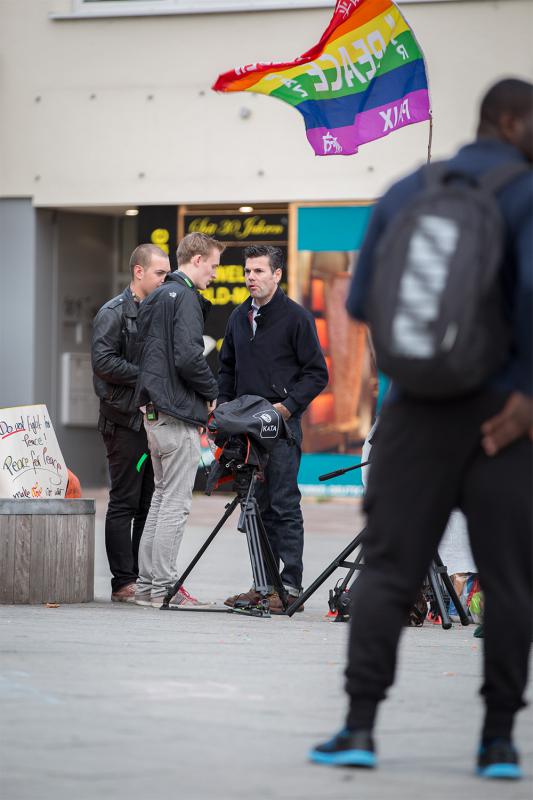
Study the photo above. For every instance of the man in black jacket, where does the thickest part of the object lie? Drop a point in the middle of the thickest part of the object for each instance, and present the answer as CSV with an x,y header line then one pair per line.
x,y
120,422
176,389
271,349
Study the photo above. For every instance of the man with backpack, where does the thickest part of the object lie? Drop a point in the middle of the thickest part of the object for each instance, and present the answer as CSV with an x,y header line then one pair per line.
x,y
447,437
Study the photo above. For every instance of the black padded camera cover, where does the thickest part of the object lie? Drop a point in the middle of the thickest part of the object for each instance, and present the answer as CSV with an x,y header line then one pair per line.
x,y
245,430
249,415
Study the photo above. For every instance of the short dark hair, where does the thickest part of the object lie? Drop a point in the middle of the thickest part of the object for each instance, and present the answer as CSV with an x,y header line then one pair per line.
x,y
510,96
143,254
274,254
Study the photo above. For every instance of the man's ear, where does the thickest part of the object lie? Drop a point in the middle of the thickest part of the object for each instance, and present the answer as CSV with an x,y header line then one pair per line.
x,y
138,272
510,127
277,275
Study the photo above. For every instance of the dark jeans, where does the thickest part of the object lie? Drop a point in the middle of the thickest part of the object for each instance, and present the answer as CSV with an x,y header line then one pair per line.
x,y
279,502
427,460
129,501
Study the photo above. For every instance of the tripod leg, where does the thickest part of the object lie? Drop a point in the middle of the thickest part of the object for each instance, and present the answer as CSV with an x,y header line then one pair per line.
x,y
256,557
454,597
268,557
437,593
181,580
337,562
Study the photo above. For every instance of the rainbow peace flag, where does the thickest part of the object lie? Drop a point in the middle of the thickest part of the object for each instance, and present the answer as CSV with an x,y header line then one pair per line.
x,y
364,79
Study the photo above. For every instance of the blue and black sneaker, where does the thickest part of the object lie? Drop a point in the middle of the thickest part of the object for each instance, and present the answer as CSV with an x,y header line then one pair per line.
x,y
346,749
498,759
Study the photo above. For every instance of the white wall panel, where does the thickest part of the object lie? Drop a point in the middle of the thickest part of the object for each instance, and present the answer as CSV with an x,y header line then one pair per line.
x,y
95,137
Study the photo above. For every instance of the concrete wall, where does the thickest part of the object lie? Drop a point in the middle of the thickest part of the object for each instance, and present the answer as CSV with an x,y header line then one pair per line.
x,y
120,111
18,322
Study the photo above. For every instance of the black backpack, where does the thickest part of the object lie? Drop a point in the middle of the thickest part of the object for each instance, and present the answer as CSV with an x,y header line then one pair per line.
x,y
435,305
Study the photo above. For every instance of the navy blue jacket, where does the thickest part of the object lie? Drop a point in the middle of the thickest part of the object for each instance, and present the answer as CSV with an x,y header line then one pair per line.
x,y
283,362
516,203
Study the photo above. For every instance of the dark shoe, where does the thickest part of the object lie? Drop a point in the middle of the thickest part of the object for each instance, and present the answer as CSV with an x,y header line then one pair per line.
x,y
126,594
276,606
251,597
346,749
499,759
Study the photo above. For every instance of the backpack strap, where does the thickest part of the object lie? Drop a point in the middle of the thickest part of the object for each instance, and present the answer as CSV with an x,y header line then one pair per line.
x,y
440,173
495,179
433,173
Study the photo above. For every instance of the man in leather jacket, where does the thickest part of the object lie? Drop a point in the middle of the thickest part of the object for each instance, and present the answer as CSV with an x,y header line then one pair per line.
x,y
176,390
120,422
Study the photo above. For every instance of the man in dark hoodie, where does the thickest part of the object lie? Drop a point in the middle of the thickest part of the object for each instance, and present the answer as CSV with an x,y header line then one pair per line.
x,y
474,452
271,349
176,391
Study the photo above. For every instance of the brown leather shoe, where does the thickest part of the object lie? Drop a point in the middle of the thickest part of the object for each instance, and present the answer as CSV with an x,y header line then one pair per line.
x,y
126,594
251,596
275,604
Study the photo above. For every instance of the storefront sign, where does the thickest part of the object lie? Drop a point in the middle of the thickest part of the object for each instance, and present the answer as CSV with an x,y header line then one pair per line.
x,y
239,227
228,290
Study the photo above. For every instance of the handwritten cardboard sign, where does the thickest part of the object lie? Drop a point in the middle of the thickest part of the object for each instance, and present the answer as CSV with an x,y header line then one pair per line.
x,y
31,464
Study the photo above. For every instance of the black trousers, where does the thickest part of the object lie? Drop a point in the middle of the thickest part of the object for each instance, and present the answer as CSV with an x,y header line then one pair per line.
x,y
428,460
279,502
129,501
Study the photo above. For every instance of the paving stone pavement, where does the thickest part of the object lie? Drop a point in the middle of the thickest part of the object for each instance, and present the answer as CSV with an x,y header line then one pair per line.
x,y
103,701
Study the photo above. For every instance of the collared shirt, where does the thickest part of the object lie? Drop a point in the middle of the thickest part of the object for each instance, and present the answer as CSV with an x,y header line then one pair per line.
x,y
252,314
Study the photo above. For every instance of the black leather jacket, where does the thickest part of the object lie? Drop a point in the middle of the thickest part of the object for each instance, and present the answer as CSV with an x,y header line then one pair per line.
x,y
173,372
114,357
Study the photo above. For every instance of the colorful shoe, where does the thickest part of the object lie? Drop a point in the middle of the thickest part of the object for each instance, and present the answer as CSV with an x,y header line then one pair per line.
x,y
126,594
183,598
346,749
498,759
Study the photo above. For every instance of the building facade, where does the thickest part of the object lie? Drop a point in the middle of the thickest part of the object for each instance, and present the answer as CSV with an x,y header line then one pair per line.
x,y
106,108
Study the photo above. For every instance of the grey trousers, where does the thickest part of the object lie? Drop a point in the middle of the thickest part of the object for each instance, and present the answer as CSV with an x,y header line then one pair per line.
x,y
175,451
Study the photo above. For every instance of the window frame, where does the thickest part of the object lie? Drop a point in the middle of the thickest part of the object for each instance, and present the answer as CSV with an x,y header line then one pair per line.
x,y
91,9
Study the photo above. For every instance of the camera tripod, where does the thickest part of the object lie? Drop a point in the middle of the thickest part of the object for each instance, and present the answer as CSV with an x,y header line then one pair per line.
x,y
438,581
265,570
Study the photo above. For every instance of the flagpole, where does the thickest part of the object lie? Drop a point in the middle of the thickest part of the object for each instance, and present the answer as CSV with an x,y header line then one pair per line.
x,y
430,138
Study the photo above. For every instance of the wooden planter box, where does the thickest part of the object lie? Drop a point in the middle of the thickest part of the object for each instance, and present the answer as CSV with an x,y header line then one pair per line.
x,y
46,551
